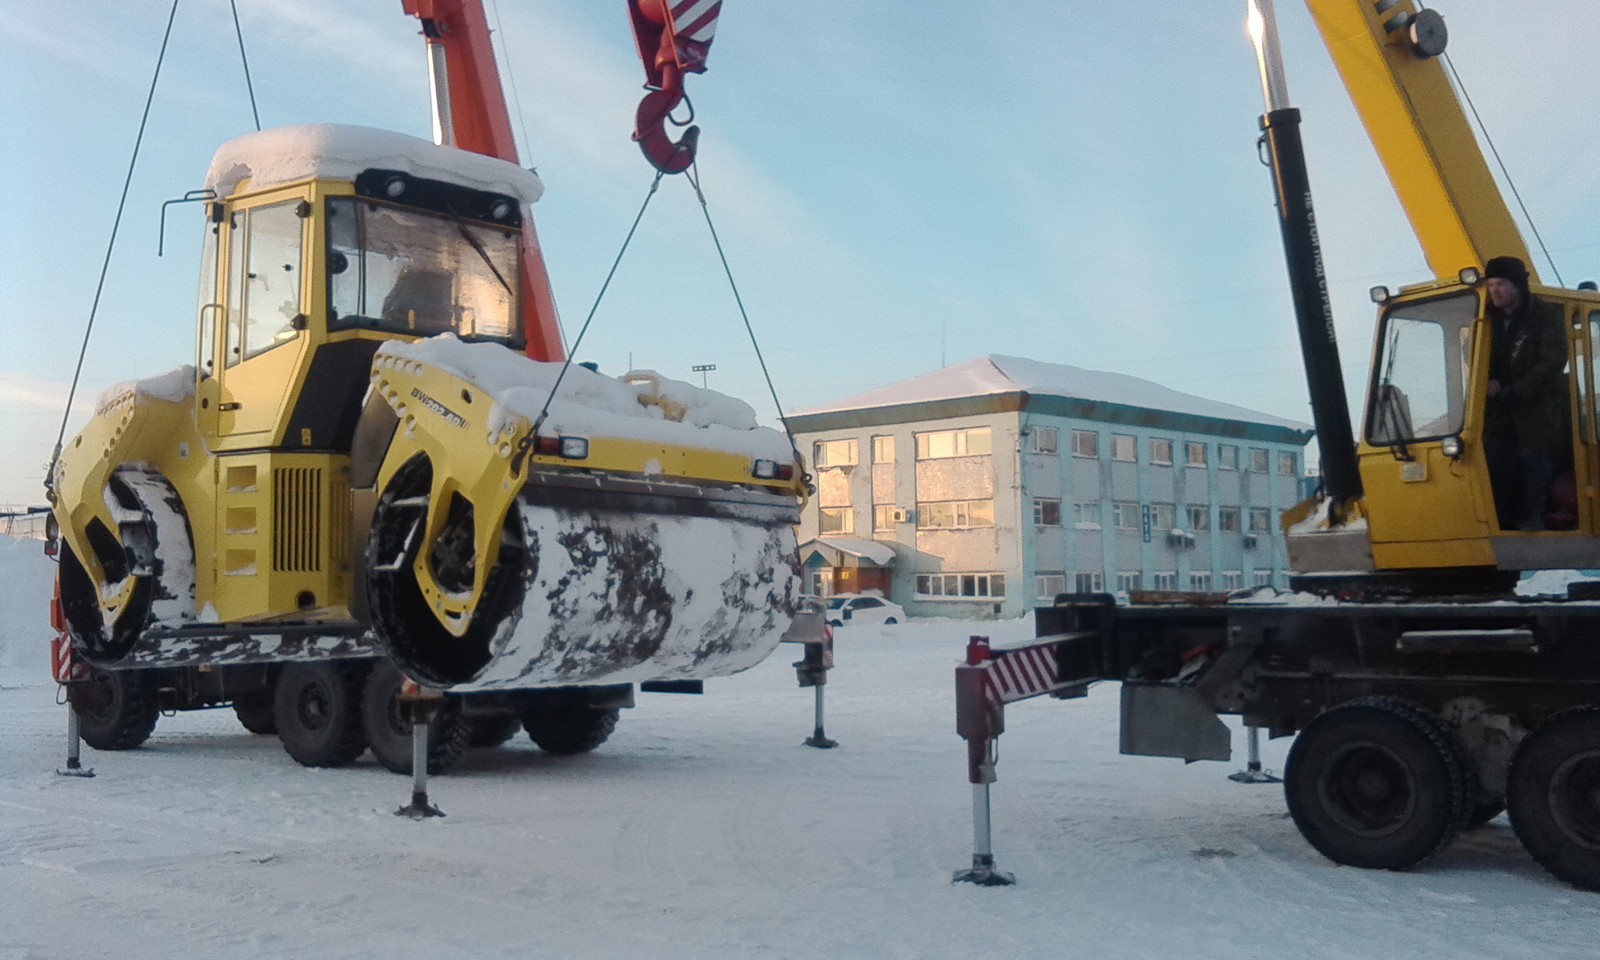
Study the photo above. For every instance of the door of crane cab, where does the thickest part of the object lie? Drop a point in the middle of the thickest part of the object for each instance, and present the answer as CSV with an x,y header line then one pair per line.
x,y
253,318
1445,467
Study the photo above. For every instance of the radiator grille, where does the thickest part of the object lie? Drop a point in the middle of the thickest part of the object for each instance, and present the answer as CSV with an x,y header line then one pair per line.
x,y
297,519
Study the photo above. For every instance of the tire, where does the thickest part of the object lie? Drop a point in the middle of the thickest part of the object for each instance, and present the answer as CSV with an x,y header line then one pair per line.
x,y
116,709
317,710
566,724
890,621
1554,796
387,725
493,731
256,714
1376,783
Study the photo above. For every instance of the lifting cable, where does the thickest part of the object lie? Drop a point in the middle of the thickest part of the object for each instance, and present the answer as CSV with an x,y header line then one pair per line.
x,y
1489,140
567,363
249,87
693,174
105,265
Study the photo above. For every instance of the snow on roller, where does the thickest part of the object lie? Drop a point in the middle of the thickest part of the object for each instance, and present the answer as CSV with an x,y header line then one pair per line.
x,y
642,531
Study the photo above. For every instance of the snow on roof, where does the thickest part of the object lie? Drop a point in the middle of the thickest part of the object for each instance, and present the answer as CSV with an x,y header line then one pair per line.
x,y
879,553
286,154
993,374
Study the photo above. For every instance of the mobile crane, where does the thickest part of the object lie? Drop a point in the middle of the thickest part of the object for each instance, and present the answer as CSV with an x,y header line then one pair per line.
x,y
1426,695
379,463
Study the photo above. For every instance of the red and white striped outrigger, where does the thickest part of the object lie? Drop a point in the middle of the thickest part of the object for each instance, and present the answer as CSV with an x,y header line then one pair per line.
x,y
988,680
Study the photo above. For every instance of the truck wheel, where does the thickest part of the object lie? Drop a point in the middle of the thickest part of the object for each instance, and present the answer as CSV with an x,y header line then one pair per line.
x,y
1554,796
1376,783
568,725
388,728
116,709
255,713
493,731
317,709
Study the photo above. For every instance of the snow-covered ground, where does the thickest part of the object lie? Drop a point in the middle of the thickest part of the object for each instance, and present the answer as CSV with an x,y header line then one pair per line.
x,y
703,829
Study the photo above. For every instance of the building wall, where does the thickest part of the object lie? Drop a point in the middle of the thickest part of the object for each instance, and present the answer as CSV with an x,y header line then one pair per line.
x,y
1033,551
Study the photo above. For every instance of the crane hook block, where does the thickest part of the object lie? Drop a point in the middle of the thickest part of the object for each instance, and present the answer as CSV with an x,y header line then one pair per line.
x,y
674,37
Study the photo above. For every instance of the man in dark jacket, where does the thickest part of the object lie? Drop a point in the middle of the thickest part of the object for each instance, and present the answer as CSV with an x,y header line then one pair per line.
x,y
1527,432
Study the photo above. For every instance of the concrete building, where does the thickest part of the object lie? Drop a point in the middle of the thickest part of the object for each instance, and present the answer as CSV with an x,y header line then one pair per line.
x,y
983,488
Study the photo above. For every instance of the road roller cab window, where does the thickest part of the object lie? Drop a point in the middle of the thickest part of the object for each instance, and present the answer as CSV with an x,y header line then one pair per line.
x,y
409,271
264,309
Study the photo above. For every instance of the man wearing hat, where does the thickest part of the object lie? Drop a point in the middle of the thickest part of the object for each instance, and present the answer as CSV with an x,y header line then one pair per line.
x,y
1527,432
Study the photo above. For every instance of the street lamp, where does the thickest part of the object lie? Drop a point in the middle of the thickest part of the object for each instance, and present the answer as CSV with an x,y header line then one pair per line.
x,y
703,369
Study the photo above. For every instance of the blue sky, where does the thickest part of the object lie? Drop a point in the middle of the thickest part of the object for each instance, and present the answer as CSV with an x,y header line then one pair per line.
x,y
898,185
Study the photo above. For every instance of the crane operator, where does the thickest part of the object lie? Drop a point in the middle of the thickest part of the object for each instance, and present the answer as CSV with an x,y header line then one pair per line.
x,y
1527,436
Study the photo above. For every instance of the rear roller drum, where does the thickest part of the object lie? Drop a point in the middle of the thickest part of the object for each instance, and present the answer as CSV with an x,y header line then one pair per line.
x,y
1553,796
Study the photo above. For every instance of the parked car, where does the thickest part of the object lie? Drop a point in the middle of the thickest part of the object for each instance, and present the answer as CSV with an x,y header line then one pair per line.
x,y
846,608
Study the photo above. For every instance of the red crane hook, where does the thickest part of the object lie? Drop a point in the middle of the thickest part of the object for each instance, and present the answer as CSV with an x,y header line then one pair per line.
x,y
674,37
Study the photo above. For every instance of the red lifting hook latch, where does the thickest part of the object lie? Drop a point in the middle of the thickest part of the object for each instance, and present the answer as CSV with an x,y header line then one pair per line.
x,y
674,37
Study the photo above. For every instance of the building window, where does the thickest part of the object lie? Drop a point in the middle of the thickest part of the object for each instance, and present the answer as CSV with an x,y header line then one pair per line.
x,y
1228,519
883,449
883,517
1227,456
821,581
1088,583
1199,581
1047,513
838,520
1198,516
1128,582
1125,515
1263,578
1086,514
834,453
1194,454
1085,443
1258,460
1160,451
1260,520
1043,440
1124,447
1167,581
1047,585
1233,580
954,514
971,442
1287,463
1163,516
961,585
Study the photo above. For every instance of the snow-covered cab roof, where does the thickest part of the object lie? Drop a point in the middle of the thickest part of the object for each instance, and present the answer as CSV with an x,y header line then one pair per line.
x,y
341,151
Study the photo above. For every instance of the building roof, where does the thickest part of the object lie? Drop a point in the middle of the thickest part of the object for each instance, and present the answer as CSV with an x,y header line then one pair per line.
x,y
879,554
1016,383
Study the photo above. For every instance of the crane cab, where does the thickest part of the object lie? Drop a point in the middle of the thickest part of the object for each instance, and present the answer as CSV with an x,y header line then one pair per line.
x,y
1428,447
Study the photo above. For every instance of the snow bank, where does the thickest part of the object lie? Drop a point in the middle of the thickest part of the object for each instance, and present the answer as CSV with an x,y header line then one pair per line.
x,y
29,581
591,404
285,154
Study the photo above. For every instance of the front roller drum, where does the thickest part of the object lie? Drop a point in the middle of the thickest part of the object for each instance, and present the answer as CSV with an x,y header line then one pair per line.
x,y
586,590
